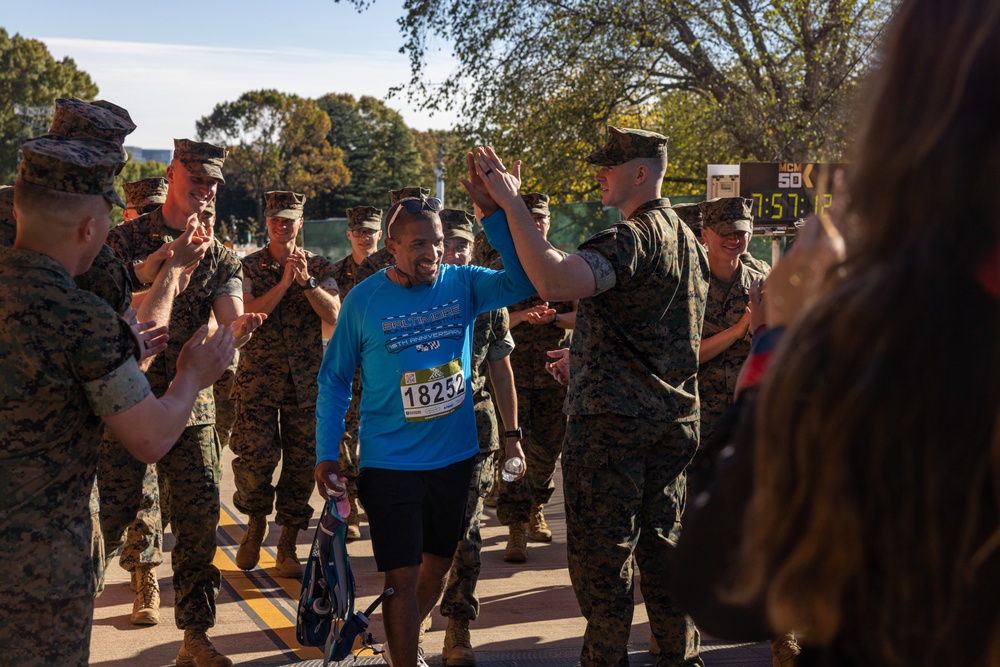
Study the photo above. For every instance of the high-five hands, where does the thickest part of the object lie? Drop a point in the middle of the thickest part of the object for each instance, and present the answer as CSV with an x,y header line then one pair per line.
x,y
490,184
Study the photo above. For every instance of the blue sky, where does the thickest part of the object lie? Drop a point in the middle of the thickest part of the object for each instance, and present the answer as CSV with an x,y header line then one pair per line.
x,y
171,63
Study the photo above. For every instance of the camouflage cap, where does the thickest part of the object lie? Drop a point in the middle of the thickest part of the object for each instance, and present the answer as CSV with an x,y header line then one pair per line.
x,y
76,118
626,144
727,215
690,215
457,224
147,192
537,202
200,157
364,217
121,112
407,193
78,165
283,204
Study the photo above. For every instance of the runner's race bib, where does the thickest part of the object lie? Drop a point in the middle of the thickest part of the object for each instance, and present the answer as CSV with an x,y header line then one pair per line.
x,y
433,392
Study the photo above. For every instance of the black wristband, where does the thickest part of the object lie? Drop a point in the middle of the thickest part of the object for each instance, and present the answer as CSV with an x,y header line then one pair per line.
x,y
516,433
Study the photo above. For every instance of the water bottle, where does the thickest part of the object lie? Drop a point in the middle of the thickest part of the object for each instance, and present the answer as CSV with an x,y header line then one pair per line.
x,y
340,498
512,468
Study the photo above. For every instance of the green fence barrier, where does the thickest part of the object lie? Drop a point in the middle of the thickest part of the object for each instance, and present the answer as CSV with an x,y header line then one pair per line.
x,y
572,224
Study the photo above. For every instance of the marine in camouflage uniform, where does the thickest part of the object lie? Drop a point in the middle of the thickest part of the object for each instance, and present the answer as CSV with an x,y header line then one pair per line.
x,y
69,359
276,384
632,403
107,277
726,307
539,414
142,551
192,470
632,396
363,220
491,342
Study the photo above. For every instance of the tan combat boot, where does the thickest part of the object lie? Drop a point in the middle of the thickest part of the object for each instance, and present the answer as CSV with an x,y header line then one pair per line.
x,y
538,530
287,562
248,554
425,625
146,608
353,519
783,651
197,651
457,651
516,550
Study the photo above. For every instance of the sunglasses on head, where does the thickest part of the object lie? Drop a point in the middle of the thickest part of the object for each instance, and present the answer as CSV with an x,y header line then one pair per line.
x,y
414,205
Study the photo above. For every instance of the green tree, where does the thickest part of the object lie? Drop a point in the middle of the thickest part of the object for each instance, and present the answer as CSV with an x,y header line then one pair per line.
x,y
30,76
539,79
378,149
135,171
276,142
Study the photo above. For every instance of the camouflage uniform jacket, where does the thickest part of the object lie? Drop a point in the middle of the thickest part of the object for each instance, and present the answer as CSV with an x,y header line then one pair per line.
x,y
483,254
757,265
219,274
491,341
717,376
68,360
279,364
345,272
107,277
8,226
635,347
373,263
533,341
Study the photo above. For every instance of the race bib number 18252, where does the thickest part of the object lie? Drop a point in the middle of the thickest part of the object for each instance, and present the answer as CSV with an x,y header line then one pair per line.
x,y
433,392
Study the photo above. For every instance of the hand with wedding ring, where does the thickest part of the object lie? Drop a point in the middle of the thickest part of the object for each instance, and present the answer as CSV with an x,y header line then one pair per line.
x,y
491,192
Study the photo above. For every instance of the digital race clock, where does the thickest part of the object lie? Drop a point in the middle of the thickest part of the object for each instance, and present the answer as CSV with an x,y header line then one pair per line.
x,y
783,192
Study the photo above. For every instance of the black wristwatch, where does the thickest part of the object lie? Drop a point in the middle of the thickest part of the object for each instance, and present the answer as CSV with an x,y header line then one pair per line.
x,y
311,283
516,433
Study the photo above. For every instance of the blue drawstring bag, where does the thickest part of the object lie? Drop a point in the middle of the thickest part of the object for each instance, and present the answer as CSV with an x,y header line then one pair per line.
x,y
326,614
327,598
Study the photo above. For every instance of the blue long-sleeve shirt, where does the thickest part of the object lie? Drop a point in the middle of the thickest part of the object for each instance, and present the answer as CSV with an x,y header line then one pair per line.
x,y
413,345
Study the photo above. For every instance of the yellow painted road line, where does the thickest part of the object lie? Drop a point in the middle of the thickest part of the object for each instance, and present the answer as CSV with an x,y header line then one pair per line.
x,y
272,611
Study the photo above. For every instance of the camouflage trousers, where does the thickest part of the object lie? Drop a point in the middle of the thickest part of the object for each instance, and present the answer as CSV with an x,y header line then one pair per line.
x,y
624,483
142,544
225,406
349,440
45,632
540,416
192,470
459,600
262,436
97,540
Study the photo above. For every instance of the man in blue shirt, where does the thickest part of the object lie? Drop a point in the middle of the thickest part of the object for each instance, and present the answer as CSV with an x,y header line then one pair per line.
x,y
410,327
